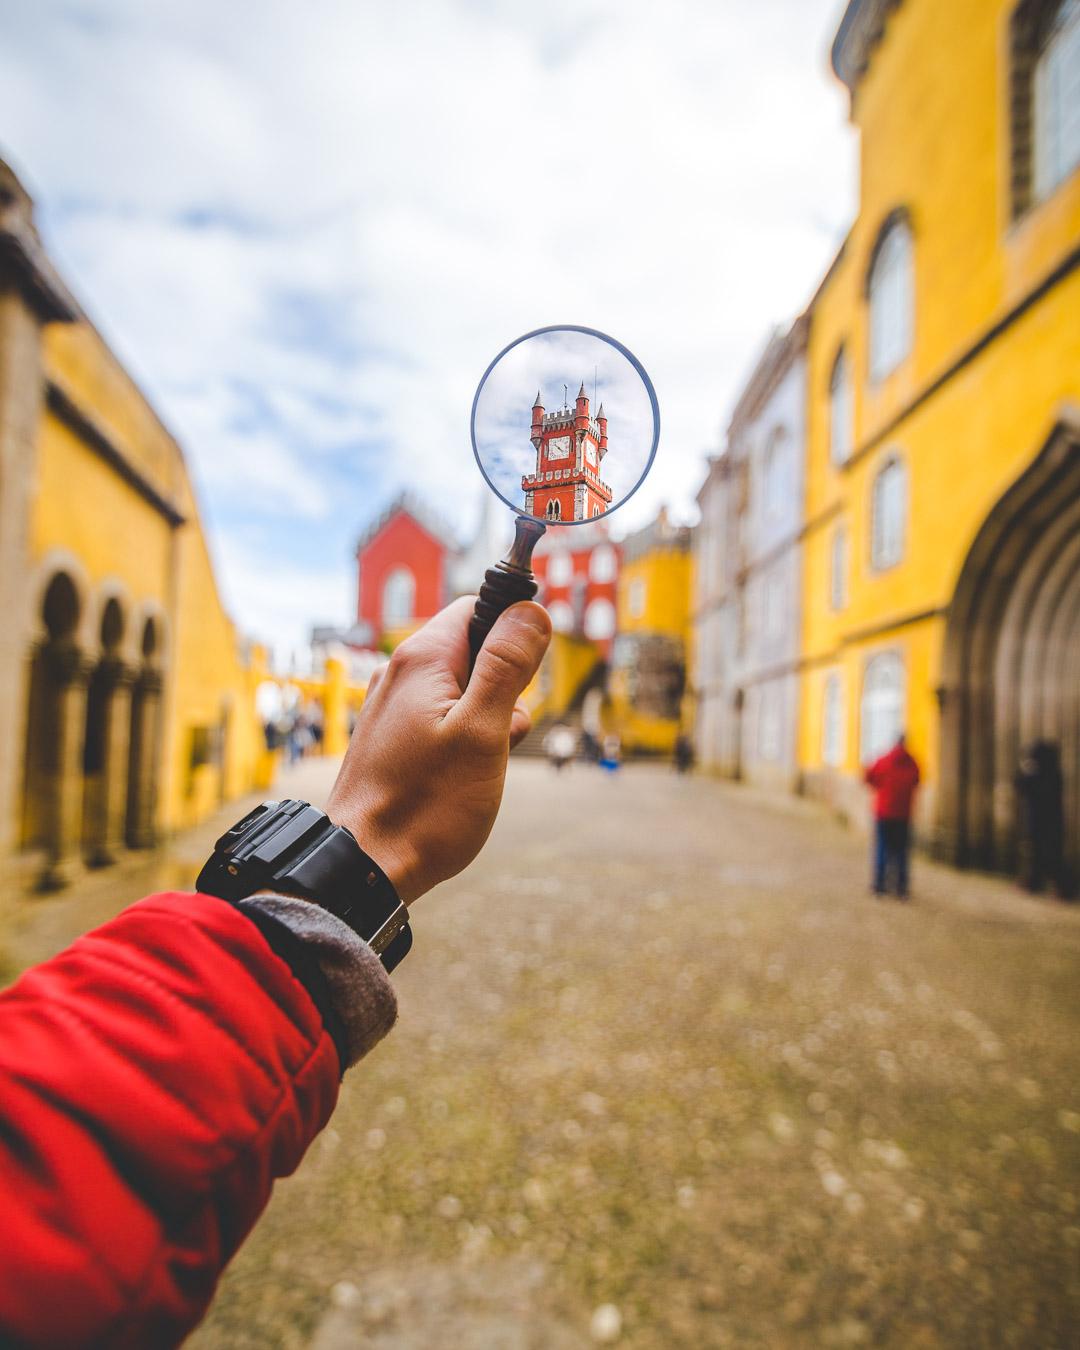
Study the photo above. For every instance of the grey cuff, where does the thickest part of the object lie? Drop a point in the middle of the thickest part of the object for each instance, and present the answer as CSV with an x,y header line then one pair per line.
x,y
356,979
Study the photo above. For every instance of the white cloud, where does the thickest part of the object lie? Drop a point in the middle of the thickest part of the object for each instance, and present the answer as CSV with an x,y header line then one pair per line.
x,y
340,212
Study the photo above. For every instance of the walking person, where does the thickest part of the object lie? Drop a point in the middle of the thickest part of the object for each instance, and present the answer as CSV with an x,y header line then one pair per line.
x,y
561,746
894,778
1040,792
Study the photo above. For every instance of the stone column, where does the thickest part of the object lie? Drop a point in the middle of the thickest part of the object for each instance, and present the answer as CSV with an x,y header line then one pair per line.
x,y
62,788
142,759
106,805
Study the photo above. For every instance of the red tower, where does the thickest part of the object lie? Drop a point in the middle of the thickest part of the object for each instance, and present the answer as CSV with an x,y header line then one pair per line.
x,y
569,445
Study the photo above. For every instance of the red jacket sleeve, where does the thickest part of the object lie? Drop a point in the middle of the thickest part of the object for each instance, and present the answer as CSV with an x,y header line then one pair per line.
x,y
155,1079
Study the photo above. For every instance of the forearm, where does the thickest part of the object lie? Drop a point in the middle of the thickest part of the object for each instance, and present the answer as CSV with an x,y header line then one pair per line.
x,y
157,1077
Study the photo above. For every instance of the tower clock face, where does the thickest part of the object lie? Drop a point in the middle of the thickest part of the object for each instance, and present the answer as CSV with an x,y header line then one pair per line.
x,y
558,447
590,451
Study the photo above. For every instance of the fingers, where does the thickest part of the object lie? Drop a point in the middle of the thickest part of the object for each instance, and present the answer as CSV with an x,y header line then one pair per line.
x,y
520,724
507,661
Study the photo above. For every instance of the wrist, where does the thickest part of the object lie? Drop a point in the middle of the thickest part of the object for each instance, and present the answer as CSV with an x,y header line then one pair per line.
x,y
398,861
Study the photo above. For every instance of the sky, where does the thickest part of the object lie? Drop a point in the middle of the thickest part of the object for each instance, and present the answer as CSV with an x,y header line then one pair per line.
x,y
307,229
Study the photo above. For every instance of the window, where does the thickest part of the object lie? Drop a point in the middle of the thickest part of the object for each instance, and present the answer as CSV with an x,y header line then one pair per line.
x,y
562,616
774,606
769,723
600,620
832,723
773,472
560,569
838,563
888,515
841,410
554,509
635,598
882,714
596,508
398,598
602,563
1057,98
891,296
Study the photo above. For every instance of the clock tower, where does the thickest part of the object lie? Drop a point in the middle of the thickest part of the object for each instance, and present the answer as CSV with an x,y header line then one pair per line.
x,y
570,445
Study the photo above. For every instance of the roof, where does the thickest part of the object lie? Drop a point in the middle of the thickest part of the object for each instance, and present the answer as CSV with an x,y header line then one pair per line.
x,y
780,352
22,251
860,31
405,503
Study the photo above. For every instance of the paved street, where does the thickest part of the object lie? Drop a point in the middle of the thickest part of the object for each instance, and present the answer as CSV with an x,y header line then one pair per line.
x,y
665,1075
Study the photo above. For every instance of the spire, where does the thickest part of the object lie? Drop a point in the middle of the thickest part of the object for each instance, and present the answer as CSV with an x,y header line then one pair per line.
x,y
537,401
581,391
600,412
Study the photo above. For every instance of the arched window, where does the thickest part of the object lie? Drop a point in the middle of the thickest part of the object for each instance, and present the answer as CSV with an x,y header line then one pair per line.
x,y
562,616
832,722
554,509
600,620
774,471
882,712
841,410
560,568
888,508
1057,98
891,293
602,563
596,508
838,565
399,598
768,722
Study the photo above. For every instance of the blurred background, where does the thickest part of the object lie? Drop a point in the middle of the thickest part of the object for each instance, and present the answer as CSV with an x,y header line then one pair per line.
x,y
665,1074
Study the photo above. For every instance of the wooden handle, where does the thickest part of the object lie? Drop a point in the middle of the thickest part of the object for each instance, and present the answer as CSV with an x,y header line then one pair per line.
x,y
506,583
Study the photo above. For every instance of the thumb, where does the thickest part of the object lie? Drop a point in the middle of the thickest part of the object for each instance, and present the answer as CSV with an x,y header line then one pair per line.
x,y
507,661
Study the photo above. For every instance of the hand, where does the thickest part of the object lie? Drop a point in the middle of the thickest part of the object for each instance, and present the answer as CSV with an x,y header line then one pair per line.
x,y
423,776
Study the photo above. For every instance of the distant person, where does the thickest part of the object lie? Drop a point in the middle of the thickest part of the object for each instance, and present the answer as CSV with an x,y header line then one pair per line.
x,y
590,747
560,744
611,753
894,778
1040,801
683,755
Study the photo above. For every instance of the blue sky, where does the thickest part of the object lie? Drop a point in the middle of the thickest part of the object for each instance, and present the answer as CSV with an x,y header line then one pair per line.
x,y
308,228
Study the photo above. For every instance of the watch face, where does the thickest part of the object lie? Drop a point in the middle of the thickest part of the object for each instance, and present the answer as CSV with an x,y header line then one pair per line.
x,y
590,451
558,447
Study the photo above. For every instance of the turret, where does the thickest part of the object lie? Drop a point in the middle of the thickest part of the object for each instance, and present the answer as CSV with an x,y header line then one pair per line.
x,y
581,409
601,422
537,420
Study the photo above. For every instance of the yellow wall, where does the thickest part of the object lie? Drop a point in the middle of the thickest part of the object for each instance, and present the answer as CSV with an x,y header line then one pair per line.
x,y
119,543
568,663
932,111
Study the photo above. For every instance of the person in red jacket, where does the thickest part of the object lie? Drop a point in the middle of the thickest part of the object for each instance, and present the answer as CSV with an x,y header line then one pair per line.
x,y
894,778
158,1075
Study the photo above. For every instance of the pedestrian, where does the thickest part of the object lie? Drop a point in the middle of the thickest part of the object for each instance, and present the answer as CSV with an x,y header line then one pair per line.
x,y
684,754
560,745
611,753
159,1075
1041,834
894,778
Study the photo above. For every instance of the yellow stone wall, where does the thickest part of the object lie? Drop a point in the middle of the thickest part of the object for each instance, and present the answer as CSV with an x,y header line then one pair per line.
x,y
662,576
118,543
932,112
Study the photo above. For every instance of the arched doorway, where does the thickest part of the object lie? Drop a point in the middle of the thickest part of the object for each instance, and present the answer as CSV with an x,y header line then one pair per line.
x,y
143,740
1011,662
52,776
105,748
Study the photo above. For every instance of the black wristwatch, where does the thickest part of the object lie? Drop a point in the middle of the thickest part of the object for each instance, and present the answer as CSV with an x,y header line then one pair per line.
x,y
292,848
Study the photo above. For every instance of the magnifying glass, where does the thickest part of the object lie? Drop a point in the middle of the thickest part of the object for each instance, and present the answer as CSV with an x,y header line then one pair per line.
x,y
567,455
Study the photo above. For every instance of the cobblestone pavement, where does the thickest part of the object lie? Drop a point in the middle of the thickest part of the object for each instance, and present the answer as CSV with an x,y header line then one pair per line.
x,y
665,1075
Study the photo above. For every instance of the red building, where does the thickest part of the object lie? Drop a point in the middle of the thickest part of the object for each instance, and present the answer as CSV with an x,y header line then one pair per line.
x,y
578,573
569,445
402,562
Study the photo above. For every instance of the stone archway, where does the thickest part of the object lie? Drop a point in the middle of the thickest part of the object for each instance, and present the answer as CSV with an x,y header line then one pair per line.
x,y
144,738
1011,661
105,748
52,776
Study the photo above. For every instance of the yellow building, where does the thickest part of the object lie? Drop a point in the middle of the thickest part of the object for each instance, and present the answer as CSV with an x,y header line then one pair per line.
x,y
942,546
649,663
128,701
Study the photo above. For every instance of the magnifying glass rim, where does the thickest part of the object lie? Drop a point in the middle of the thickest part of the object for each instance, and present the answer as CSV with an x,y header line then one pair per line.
x,y
604,337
